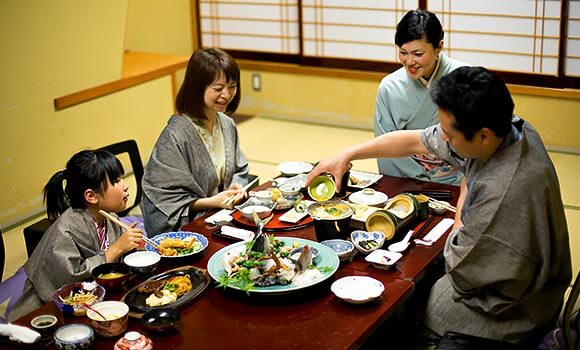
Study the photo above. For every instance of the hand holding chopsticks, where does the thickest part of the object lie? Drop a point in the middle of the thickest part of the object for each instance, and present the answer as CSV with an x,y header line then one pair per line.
x,y
127,227
231,199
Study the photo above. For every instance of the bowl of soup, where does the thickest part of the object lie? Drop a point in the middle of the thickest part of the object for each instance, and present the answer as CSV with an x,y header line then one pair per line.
x,y
116,318
331,219
112,276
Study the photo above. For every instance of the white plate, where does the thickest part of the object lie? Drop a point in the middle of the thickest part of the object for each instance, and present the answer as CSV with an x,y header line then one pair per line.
x,y
365,179
292,216
368,196
294,168
383,259
357,289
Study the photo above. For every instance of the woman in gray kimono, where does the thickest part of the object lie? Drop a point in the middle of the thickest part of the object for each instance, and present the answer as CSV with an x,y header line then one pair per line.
x,y
403,101
79,238
196,163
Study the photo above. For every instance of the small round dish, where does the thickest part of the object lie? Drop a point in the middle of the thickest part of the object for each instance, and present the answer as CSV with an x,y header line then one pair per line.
x,y
357,289
436,208
343,248
368,196
200,242
43,323
74,336
142,262
263,210
294,168
289,190
161,320
366,242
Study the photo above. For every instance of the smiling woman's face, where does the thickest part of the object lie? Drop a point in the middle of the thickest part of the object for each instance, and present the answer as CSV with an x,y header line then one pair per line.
x,y
419,58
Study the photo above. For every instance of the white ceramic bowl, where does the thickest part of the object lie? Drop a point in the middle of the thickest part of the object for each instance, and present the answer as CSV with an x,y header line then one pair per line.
x,y
74,336
263,210
117,314
366,242
383,259
142,262
357,289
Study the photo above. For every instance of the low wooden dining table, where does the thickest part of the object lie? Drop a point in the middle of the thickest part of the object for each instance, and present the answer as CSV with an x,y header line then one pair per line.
x,y
312,317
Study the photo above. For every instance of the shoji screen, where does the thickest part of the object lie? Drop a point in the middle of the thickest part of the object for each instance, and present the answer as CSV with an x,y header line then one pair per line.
x,y
506,35
256,25
362,29
572,63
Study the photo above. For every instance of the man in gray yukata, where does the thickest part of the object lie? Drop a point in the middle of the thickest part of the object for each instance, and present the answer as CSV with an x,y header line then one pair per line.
x,y
508,256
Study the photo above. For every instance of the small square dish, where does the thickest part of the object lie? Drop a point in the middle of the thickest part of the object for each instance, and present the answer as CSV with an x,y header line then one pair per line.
x,y
366,242
357,289
292,216
362,179
383,259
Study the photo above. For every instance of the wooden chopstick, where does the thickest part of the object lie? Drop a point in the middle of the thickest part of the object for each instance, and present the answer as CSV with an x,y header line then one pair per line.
x,y
233,197
127,227
424,226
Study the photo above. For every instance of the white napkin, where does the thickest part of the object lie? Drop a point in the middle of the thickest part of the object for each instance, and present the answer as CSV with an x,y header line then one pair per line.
x,y
439,229
221,216
239,233
19,333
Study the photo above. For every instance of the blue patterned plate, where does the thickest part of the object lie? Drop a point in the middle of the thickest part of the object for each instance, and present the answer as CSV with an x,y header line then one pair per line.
x,y
178,235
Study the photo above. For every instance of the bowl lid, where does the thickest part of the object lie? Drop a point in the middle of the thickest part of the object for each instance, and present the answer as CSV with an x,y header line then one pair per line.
x,y
368,196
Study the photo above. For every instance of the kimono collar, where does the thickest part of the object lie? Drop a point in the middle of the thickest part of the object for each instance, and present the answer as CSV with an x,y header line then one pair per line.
x,y
512,137
427,83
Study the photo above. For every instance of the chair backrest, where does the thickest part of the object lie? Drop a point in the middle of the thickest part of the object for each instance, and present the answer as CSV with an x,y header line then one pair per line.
x,y
11,290
130,147
569,309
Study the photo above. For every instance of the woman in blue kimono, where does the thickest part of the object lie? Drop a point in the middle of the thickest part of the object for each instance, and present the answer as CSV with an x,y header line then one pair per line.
x,y
403,101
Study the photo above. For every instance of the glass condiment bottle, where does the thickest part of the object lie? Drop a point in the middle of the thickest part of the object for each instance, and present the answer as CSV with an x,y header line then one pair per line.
x,y
134,341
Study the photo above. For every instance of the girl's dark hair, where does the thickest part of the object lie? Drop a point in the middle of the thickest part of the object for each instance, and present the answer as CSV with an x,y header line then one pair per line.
x,y
85,170
203,68
417,24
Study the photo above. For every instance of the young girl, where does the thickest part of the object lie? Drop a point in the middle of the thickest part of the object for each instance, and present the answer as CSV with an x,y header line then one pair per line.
x,y
197,162
79,238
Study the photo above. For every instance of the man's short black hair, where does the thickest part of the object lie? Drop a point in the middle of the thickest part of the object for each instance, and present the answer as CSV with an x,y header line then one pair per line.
x,y
477,98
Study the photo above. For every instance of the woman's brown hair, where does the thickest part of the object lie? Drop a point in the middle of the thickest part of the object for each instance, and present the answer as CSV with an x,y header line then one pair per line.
x,y
203,68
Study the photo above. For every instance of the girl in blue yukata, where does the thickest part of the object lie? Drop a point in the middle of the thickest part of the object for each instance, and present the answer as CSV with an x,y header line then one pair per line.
x,y
79,238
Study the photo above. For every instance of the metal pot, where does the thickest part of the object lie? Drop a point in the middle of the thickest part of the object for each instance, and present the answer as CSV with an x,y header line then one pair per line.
x,y
331,219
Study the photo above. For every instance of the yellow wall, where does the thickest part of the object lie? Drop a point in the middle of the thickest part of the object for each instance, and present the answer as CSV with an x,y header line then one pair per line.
x,y
351,102
53,48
